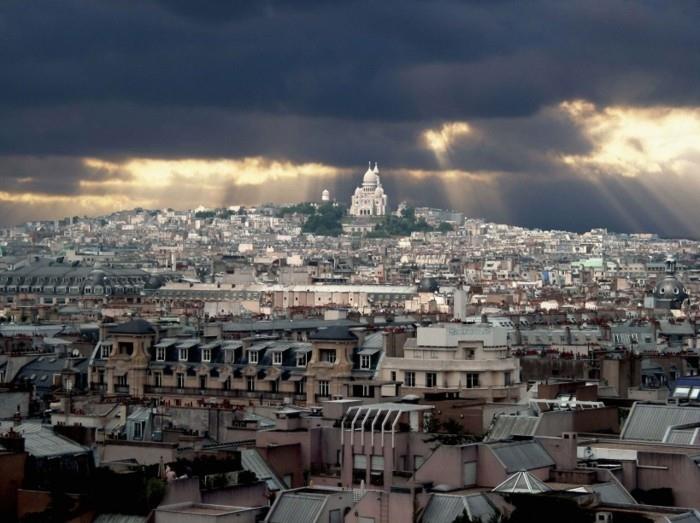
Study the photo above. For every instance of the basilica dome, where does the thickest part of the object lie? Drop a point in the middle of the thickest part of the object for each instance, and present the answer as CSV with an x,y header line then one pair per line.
x,y
370,177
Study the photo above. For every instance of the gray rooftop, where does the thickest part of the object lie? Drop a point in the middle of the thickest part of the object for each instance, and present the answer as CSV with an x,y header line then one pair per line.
x,y
613,492
253,461
505,426
297,507
42,442
521,455
649,421
445,507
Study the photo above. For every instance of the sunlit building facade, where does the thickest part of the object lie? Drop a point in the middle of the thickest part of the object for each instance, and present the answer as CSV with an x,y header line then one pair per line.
x,y
369,199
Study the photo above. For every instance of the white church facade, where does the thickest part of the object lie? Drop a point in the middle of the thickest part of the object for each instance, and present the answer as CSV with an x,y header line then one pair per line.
x,y
369,199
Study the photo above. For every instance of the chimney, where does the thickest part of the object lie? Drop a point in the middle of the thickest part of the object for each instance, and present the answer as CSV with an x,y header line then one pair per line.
x,y
12,441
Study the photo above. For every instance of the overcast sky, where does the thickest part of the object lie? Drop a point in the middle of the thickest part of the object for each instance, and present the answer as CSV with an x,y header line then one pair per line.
x,y
559,114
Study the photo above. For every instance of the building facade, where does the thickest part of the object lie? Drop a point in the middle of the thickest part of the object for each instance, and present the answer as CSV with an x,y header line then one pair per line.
x,y
470,361
369,199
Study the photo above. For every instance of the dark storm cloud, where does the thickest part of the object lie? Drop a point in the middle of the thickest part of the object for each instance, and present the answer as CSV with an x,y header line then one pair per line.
x,y
368,60
341,83
53,175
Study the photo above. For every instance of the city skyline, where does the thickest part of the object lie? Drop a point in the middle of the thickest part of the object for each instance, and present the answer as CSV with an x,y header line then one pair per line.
x,y
567,116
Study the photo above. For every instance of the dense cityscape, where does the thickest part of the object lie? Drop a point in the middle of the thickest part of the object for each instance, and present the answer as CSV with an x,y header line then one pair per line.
x,y
360,261
344,359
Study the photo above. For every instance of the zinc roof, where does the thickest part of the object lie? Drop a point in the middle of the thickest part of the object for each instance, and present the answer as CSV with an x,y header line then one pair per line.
x,y
297,507
649,421
505,426
521,455
42,442
445,507
613,492
253,461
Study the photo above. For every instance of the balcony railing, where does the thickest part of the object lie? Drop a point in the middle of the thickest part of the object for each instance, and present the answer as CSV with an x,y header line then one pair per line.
x,y
98,387
223,393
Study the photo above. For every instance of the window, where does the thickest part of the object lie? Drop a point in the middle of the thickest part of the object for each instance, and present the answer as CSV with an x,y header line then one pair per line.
x,y
138,429
227,383
202,381
206,355
250,383
160,353
277,358
472,380
417,461
182,354
301,360
430,379
158,379
126,348
365,361
393,375
252,356
328,356
366,391
681,392
105,350
180,380
300,387
324,388
409,379
122,380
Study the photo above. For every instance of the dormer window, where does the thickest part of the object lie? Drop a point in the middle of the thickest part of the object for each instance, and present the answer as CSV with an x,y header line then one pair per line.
x,y
104,351
206,355
277,358
365,361
160,353
252,356
182,354
301,360
328,356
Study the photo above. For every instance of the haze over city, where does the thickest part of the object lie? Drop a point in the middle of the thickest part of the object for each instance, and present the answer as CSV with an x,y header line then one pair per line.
x,y
363,261
566,115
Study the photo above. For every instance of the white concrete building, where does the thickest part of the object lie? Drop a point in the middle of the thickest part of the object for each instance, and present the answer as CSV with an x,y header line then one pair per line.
x,y
369,199
473,361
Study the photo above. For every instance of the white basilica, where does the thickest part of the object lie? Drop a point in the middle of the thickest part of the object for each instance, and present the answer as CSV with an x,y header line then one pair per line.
x,y
369,200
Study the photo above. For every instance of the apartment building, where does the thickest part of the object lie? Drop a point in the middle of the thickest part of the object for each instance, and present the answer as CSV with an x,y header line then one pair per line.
x,y
470,361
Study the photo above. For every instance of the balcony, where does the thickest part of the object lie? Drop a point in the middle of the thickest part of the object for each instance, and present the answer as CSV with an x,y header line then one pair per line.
x,y
223,393
98,387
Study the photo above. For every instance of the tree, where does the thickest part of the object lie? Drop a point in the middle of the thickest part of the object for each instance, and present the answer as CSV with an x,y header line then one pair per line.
x,y
450,432
402,225
306,208
445,227
326,220
247,477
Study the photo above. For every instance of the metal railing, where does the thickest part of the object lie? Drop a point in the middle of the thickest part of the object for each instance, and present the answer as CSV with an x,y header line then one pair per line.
x,y
225,393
